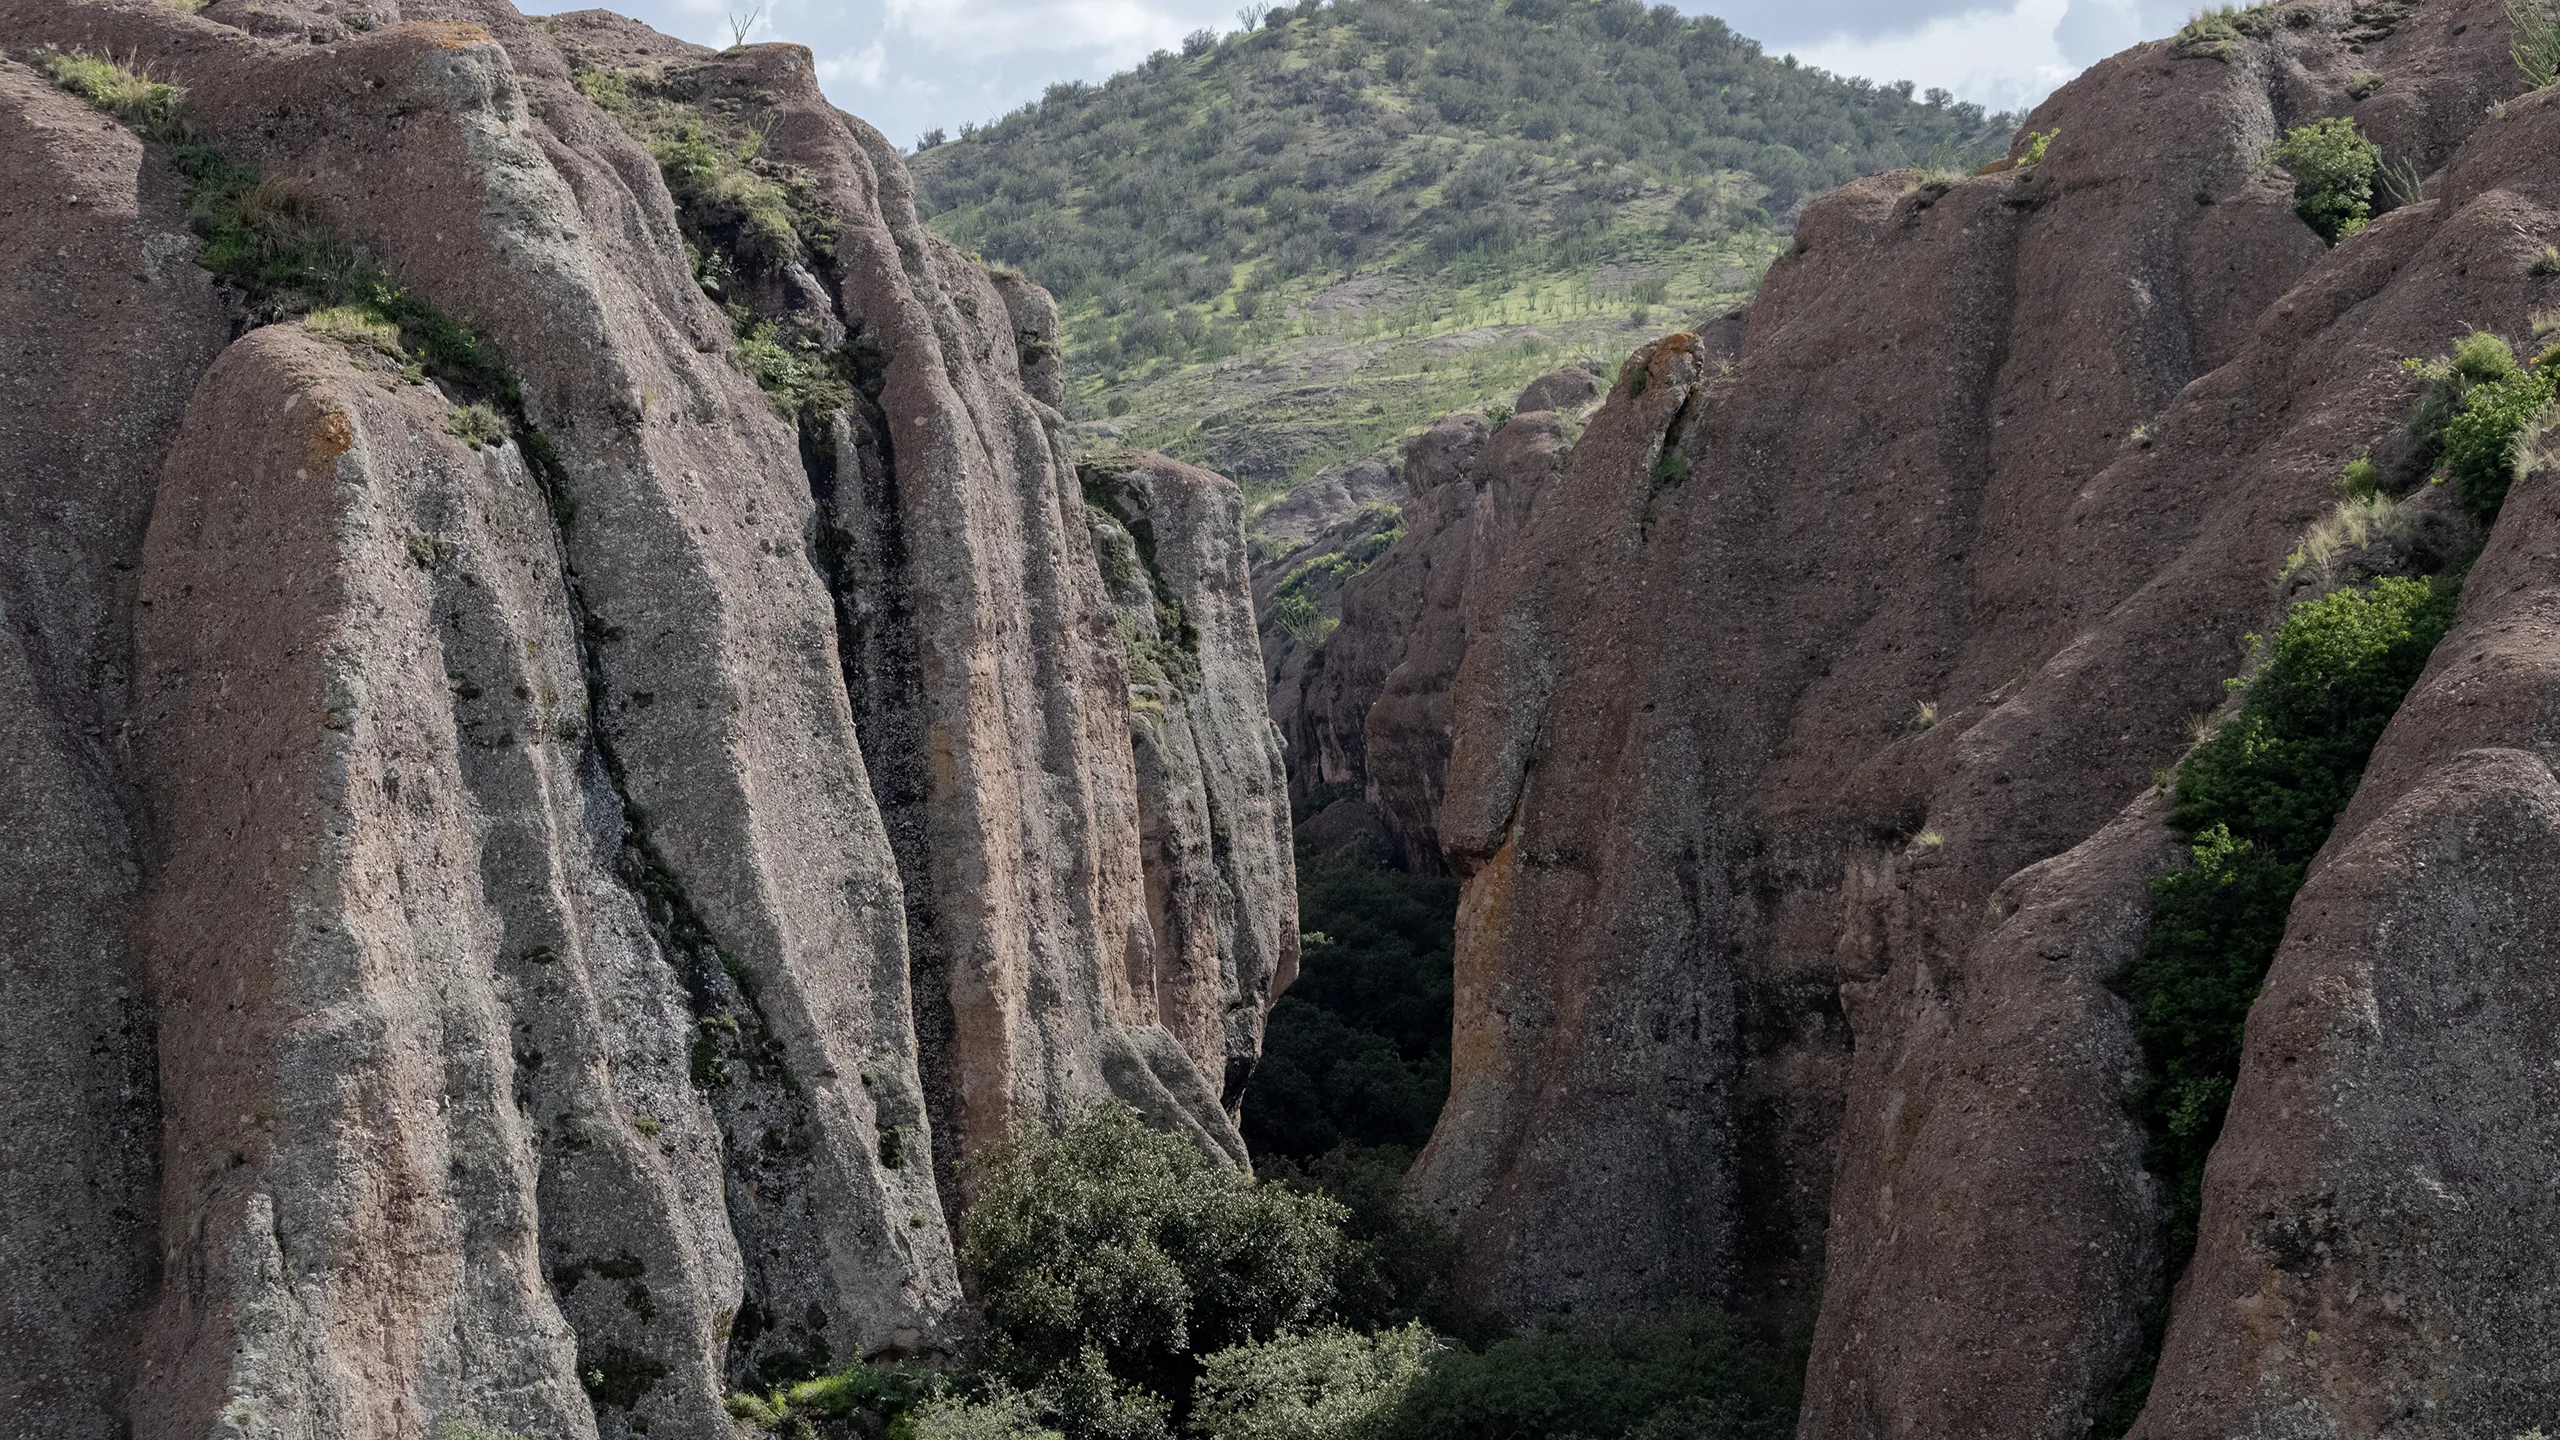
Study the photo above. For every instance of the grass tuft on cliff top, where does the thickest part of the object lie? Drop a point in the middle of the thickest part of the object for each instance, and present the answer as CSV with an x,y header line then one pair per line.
x,y
124,90
264,240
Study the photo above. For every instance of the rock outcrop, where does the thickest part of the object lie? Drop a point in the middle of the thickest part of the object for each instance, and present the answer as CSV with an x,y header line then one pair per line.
x,y
1364,706
98,258
1213,795
1803,770
528,893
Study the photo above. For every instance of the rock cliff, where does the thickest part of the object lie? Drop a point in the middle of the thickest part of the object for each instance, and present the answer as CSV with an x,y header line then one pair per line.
x,y
535,858
1808,742
1363,704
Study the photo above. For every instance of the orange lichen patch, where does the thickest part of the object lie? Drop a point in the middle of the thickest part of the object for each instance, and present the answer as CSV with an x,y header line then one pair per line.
x,y
334,436
454,34
1997,167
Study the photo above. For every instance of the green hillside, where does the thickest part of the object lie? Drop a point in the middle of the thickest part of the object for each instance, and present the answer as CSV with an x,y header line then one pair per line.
x,y
1289,246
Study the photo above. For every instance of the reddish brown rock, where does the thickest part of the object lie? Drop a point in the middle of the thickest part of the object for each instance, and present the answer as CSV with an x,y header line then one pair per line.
x,y
1213,797
1367,710
2375,1254
105,322
1796,743
537,851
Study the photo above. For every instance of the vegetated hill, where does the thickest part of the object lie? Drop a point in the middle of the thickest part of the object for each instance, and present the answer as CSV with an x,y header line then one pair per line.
x,y
1289,246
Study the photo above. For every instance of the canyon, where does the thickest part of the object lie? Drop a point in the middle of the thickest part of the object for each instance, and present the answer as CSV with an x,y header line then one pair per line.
x,y
567,777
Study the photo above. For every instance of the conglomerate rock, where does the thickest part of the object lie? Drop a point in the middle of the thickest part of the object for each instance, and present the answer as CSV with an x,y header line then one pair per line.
x,y
1366,712
99,272
1803,769
581,890
1212,793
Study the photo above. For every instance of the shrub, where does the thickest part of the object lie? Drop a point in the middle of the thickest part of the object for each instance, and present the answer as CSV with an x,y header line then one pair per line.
x,y
2258,800
1121,1250
2487,445
723,199
2537,44
1690,1376
2038,142
855,1404
1088,1402
1327,1384
1003,1415
2333,168
802,377
2443,387
476,425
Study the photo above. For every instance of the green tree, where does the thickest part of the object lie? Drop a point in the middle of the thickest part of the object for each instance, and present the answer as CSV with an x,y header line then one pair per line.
x,y
2258,801
1106,1256
1696,1375
2333,168
1358,1050
1329,1384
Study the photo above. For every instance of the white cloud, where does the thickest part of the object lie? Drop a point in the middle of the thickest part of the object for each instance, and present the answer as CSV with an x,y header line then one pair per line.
x,y
1124,30
863,67
2007,58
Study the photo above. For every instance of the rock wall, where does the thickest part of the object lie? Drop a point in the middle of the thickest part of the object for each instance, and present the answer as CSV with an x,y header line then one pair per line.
x,y
525,930
1365,710
97,254
1213,796
1802,770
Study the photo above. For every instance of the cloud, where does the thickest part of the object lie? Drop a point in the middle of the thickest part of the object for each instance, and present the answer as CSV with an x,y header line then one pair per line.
x,y
1123,29
1781,24
863,67
2005,56
2092,30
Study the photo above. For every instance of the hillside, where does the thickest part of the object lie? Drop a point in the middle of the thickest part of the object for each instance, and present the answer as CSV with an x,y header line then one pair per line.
x,y
1287,247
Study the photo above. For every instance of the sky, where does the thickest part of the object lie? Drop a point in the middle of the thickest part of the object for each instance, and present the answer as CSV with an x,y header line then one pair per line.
x,y
909,66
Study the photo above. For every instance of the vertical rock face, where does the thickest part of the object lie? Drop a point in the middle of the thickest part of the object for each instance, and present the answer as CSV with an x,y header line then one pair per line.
x,y
1213,797
97,257
1370,714
1801,770
529,922
2374,1255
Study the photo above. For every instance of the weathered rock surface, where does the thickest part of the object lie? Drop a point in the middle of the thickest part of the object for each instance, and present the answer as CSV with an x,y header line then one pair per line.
x,y
99,271
578,905
1366,711
1801,747
1213,796
2375,1254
